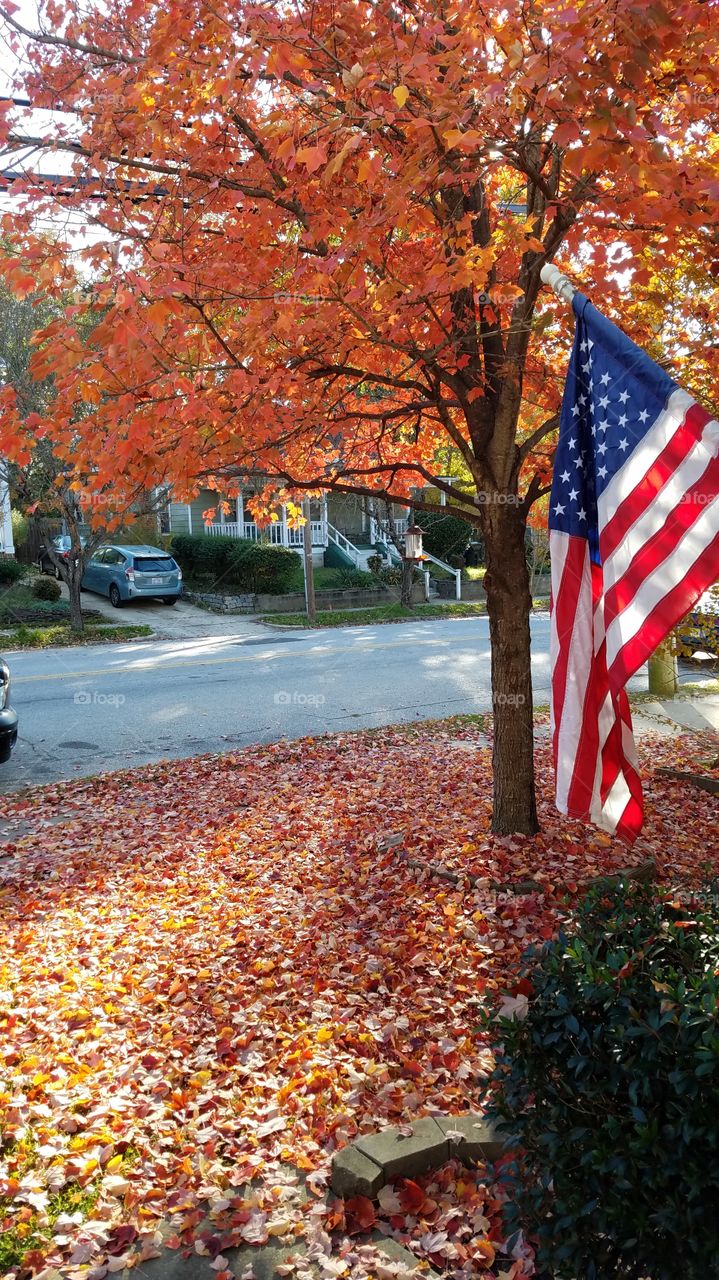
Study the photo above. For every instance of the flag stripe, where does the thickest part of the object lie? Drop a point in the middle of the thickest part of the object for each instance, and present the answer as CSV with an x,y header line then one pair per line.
x,y
662,454
628,657
656,549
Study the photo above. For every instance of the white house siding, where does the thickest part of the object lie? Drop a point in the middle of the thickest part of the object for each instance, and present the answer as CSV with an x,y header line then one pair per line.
x,y
7,545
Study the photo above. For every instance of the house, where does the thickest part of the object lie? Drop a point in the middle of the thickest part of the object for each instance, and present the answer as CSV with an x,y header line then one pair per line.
x,y
7,546
346,530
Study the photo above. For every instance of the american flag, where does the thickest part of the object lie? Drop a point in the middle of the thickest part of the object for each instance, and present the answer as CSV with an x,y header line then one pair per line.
x,y
634,541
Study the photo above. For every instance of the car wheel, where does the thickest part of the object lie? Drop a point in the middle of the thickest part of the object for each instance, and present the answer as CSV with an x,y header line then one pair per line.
x,y
169,599
115,597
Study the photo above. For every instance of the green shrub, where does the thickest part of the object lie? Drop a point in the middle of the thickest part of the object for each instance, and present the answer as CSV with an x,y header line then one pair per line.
x,y
46,589
205,556
444,536
348,579
375,564
391,575
609,1088
10,570
260,567
19,527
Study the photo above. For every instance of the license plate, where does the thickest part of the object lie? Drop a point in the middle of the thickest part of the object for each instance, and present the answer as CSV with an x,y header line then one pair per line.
x,y
157,582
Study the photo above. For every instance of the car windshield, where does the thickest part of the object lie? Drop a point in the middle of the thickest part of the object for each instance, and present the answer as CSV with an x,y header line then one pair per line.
x,y
154,564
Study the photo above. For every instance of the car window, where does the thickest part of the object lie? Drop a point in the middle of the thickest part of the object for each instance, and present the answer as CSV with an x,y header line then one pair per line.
x,y
99,556
62,543
114,557
154,564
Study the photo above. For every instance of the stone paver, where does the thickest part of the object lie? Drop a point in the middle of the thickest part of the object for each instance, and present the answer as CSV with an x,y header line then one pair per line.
x,y
402,1261
480,1143
354,1173
406,1155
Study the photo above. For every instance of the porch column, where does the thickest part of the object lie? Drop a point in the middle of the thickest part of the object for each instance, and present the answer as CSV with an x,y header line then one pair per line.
x,y
323,518
240,513
285,534
188,509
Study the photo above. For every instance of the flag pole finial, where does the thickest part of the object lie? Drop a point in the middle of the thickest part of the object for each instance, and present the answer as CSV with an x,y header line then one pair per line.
x,y
556,280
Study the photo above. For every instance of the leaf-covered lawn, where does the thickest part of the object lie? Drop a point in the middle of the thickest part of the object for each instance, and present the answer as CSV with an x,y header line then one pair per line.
x,y
211,978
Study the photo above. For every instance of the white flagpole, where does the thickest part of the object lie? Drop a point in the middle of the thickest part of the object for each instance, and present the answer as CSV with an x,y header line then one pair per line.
x,y
556,280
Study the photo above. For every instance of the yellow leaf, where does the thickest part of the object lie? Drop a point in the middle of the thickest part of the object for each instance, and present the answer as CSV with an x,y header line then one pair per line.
x,y
400,94
324,1034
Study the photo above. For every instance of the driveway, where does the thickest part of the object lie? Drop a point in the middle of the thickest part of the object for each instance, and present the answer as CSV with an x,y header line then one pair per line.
x,y
181,621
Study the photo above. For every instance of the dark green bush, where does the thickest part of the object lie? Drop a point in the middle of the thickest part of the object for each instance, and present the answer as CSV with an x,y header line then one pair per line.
x,y
356,579
391,575
10,570
46,589
375,564
258,566
444,536
609,1088
208,557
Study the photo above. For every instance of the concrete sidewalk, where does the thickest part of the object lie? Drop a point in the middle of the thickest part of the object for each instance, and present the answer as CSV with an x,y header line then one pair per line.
x,y
672,716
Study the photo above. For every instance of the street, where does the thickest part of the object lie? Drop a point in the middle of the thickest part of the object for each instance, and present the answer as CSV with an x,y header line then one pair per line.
x,y
98,708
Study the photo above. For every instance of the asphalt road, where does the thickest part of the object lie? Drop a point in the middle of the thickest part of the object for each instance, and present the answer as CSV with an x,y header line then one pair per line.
x,y
89,710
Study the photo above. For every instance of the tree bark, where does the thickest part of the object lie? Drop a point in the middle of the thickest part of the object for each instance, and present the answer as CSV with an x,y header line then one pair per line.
x,y
509,604
406,589
74,578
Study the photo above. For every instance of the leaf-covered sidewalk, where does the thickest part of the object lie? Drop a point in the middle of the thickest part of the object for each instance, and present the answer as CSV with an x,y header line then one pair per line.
x,y
211,978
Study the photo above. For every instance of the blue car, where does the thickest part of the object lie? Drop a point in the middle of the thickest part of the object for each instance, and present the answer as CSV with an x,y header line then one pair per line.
x,y
133,573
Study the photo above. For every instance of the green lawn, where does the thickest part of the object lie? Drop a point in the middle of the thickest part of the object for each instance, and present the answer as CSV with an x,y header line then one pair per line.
x,y
59,635
378,613
29,623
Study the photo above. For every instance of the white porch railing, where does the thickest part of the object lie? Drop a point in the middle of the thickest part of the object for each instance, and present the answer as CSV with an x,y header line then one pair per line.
x,y
344,544
278,534
379,529
443,565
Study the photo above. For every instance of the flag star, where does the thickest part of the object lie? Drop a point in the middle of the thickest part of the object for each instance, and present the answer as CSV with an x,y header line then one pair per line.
x,y
604,401
643,415
623,444
624,396
580,463
604,379
572,443
590,344
623,420
586,367
583,345
581,514
582,399
565,476
559,509
575,411
604,424
602,448
602,471
573,494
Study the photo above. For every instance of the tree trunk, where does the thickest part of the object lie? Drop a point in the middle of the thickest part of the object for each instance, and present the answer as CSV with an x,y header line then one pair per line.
x,y
509,605
406,589
74,578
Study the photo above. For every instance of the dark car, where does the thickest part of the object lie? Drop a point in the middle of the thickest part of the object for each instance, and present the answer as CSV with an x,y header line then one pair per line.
x,y
62,546
130,573
8,717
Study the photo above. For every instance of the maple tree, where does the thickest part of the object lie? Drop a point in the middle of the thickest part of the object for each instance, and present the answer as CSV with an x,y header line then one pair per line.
x,y
319,235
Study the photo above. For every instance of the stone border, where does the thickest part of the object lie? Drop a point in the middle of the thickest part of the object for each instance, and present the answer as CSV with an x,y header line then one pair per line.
x,y
372,1160
643,872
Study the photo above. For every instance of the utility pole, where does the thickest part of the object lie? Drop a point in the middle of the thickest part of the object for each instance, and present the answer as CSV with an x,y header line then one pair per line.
x,y
309,570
